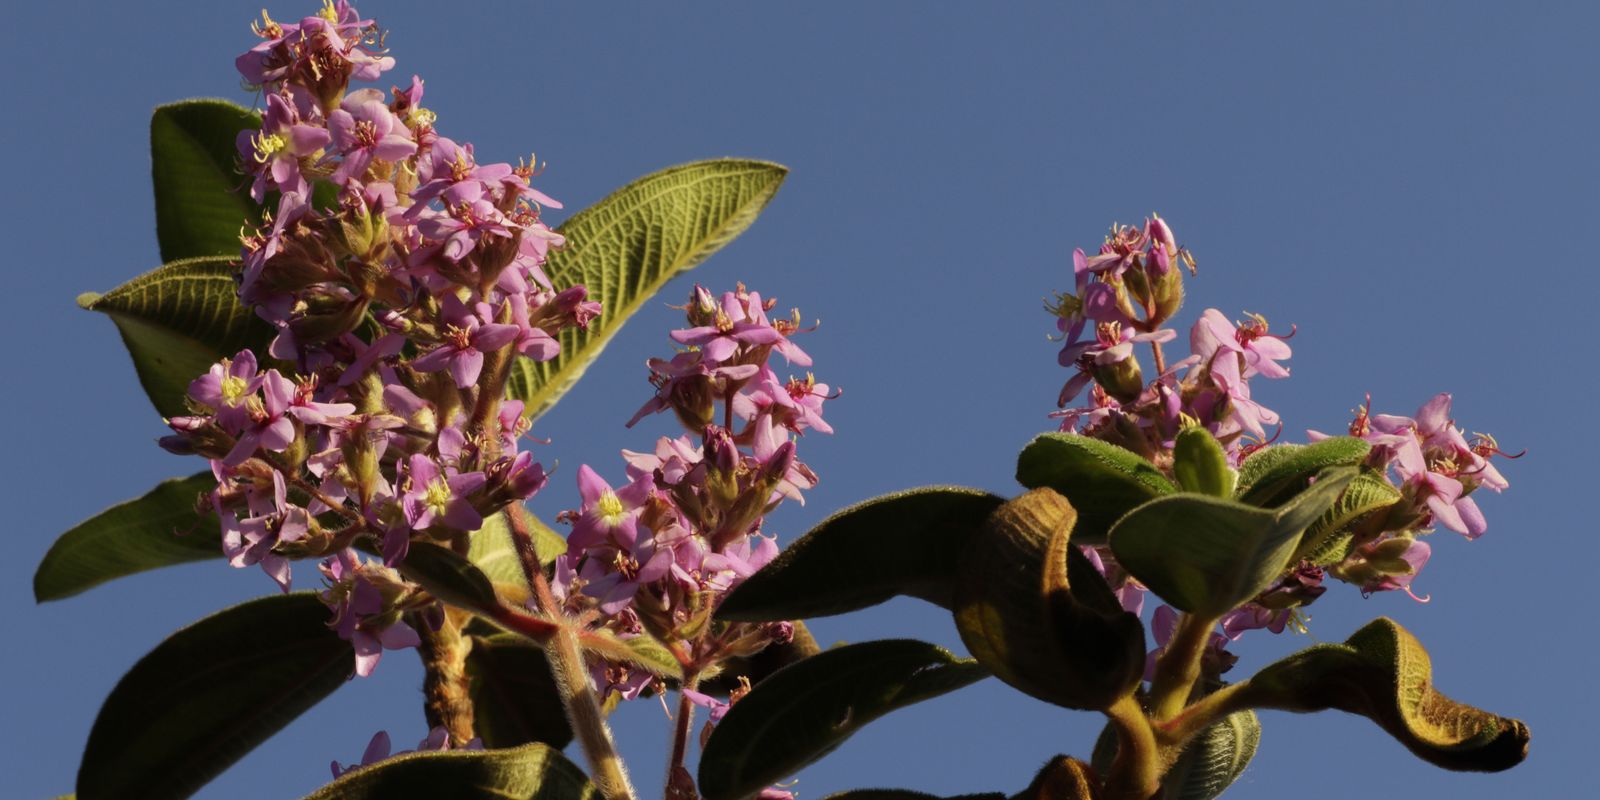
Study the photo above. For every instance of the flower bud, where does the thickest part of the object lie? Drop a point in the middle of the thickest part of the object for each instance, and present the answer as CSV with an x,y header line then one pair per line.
x,y
1121,379
702,309
327,316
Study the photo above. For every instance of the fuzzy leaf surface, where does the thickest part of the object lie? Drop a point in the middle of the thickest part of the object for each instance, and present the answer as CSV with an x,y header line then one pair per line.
x,y
627,246
530,772
1215,758
513,694
805,710
209,694
1101,480
906,543
1274,474
157,529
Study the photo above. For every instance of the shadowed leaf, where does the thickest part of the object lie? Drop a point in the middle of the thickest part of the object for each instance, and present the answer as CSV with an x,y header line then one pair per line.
x,y
1102,481
531,772
513,694
177,321
906,543
1215,758
157,529
450,577
1382,673
627,246
209,694
805,710
201,199
1206,555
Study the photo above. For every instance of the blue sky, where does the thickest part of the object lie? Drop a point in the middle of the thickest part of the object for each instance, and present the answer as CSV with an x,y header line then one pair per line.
x,y
1413,185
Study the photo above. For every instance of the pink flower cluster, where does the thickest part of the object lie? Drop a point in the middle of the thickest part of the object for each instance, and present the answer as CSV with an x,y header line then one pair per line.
x,y
1122,298
659,553
403,279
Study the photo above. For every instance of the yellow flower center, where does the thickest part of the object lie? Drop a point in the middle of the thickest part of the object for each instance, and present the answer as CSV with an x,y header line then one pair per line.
x,y
268,145
328,12
437,496
234,389
609,509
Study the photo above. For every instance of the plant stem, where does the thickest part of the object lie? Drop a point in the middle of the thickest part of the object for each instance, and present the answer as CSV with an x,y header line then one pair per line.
x,y
571,675
682,726
1176,732
1161,362
444,682
1136,770
1179,667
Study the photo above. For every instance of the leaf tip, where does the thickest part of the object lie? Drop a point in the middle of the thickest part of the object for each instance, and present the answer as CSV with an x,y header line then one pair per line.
x,y
87,300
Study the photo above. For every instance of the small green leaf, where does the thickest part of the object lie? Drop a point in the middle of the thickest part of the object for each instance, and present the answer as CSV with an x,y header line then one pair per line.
x,y
807,709
514,697
1200,464
1329,539
209,694
642,651
201,198
1206,555
496,555
1382,672
1102,481
1215,758
903,543
177,321
157,529
451,578
531,772
627,246
1274,474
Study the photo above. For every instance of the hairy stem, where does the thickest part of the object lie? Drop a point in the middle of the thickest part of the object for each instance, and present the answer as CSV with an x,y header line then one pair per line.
x,y
1179,667
1176,732
1136,771
446,701
571,674
682,726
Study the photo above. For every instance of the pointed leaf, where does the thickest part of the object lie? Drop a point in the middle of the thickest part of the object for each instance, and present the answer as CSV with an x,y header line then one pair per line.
x,y
1101,480
157,529
1329,539
1383,673
627,246
1215,758
496,556
807,709
642,651
757,667
201,198
531,772
1273,474
906,543
1207,555
1200,464
513,695
209,694
450,577
177,321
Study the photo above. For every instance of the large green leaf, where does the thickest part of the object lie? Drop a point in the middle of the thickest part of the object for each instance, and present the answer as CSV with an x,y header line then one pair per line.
x,y
1382,672
513,694
1206,555
1101,480
202,200
209,694
803,711
157,529
531,772
903,543
627,246
1274,474
177,321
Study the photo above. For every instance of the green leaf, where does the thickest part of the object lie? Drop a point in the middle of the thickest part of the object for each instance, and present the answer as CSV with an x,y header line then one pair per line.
x,y
1101,480
755,668
1215,758
1329,539
157,529
642,651
209,694
1200,464
906,543
177,321
807,709
1033,610
201,199
451,578
1272,475
531,772
514,697
627,246
495,554
1382,672
1206,555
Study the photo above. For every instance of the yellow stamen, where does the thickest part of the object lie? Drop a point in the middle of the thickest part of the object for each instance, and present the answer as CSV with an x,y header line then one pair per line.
x,y
437,496
609,509
234,389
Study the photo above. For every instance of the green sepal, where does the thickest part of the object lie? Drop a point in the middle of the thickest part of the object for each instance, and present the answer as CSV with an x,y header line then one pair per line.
x,y
530,772
1206,555
906,543
1101,480
209,694
1383,673
805,710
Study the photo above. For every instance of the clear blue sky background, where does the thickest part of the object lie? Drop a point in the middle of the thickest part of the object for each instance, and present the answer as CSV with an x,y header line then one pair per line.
x,y
1412,184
